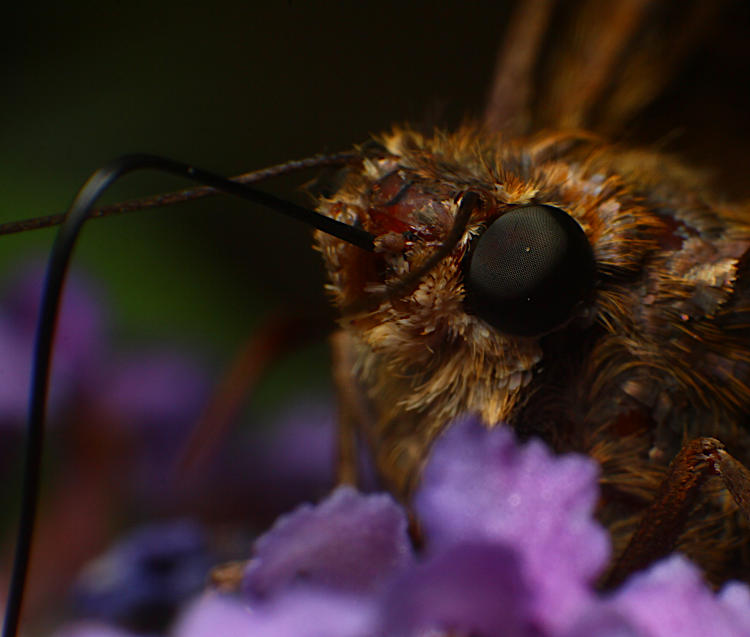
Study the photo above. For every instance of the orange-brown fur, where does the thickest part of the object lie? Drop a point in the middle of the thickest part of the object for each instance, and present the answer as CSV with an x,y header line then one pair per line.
x,y
658,354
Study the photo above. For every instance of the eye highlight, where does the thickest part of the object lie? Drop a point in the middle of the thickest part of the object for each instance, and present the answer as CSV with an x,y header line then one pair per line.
x,y
528,269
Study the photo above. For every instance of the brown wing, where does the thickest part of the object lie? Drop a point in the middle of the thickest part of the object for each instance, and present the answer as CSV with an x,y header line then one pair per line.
x,y
591,64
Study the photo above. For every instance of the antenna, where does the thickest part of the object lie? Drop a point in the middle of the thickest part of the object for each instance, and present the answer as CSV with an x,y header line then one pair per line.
x,y
77,215
180,196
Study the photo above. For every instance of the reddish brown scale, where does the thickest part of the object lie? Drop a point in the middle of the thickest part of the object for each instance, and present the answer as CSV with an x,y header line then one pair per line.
x,y
400,205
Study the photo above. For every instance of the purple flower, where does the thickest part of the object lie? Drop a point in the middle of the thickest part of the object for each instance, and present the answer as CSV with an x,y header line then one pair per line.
x,y
81,324
604,621
142,403
470,587
671,598
349,542
160,389
293,613
214,614
735,597
80,342
141,581
285,459
480,485
288,459
150,389
511,550
152,398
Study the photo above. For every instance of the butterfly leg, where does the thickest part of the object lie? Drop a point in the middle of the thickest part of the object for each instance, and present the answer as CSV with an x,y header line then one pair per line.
x,y
354,414
664,520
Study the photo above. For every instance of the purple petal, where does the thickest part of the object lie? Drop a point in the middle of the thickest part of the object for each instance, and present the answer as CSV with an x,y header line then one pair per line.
x,y
312,613
601,620
155,398
480,485
287,459
296,449
280,463
735,597
15,370
350,542
80,330
671,598
212,615
79,342
143,578
298,445
156,389
467,589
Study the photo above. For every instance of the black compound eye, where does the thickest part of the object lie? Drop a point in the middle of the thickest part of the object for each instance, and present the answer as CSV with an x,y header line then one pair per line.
x,y
528,270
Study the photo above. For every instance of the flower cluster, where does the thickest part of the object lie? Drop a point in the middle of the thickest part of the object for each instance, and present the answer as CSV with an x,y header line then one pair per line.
x,y
511,549
79,349
153,390
141,580
115,416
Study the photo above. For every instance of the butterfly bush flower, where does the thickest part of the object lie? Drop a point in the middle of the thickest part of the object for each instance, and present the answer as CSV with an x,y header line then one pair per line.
x,y
155,394
511,549
151,389
349,542
116,419
303,612
152,398
288,458
482,486
80,344
143,578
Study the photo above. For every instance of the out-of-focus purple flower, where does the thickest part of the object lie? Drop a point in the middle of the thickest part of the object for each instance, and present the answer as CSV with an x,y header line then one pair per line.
x,y
735,597
15,369
480,484
349,542
81,325
154,397
298,444
512,551
154,390
602,621
80,341
213,614
293,613
474,588
288,459
671,598
285,459
142,580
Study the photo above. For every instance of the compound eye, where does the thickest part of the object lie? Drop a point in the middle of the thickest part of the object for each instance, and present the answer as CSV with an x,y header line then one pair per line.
x,y
528,270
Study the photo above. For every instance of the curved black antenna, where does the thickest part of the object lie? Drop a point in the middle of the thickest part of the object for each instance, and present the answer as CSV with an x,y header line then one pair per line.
x,y
180,196
45,331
